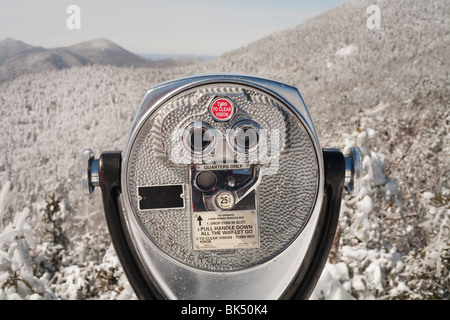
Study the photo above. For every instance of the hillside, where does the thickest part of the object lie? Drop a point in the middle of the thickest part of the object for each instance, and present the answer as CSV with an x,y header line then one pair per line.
x,y
339,64
105,52
385,90
18,58
10,47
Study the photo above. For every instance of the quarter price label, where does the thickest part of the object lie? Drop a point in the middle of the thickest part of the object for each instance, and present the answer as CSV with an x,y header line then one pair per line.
x,y
225,230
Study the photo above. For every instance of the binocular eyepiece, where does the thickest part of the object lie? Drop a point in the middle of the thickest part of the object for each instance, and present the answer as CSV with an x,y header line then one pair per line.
x,y
222,191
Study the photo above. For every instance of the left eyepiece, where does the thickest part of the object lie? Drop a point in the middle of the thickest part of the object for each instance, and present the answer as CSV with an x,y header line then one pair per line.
x,y
199,137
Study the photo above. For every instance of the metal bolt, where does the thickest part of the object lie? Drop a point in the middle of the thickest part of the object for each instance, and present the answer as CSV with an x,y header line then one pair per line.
x,y
89,172
353,169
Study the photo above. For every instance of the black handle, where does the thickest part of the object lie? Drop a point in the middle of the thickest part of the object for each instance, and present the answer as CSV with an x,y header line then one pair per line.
x,y
109,176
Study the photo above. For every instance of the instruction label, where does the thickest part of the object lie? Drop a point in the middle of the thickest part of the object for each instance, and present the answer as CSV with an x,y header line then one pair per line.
x,y
225,230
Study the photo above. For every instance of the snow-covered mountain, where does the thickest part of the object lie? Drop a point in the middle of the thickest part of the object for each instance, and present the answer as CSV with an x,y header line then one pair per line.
x,y
386,90
10,47
341,65
105,52
18,58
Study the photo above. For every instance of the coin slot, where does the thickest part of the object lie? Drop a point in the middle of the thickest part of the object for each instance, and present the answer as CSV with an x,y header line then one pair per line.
x,y
206,180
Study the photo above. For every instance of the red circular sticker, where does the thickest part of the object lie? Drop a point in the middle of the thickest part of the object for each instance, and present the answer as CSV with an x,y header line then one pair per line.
x,y
222,109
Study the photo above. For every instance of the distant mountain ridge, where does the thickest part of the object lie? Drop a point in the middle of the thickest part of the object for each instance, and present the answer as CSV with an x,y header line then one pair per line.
x,y
17,57
163,56
10,47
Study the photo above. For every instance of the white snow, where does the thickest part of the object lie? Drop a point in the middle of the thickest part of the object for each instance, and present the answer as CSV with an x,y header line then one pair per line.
x,y
329,286
386,91
347,50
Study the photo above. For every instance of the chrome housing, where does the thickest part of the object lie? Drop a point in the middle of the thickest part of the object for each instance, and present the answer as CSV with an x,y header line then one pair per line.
x,y
176,280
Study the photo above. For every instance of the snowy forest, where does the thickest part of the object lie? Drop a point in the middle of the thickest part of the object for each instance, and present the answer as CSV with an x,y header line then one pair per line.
x,y
385,90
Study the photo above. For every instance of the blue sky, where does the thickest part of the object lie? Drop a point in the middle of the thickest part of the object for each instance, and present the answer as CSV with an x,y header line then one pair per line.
x,y
156,26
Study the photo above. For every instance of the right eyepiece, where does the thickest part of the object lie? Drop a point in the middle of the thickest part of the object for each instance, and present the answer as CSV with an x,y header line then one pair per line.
x,y
245,136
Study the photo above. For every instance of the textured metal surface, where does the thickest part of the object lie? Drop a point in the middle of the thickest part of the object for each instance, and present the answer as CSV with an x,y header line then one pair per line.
x,y
287,192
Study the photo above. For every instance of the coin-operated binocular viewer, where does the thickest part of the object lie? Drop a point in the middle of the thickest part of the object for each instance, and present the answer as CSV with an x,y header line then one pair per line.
x,y
222,191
